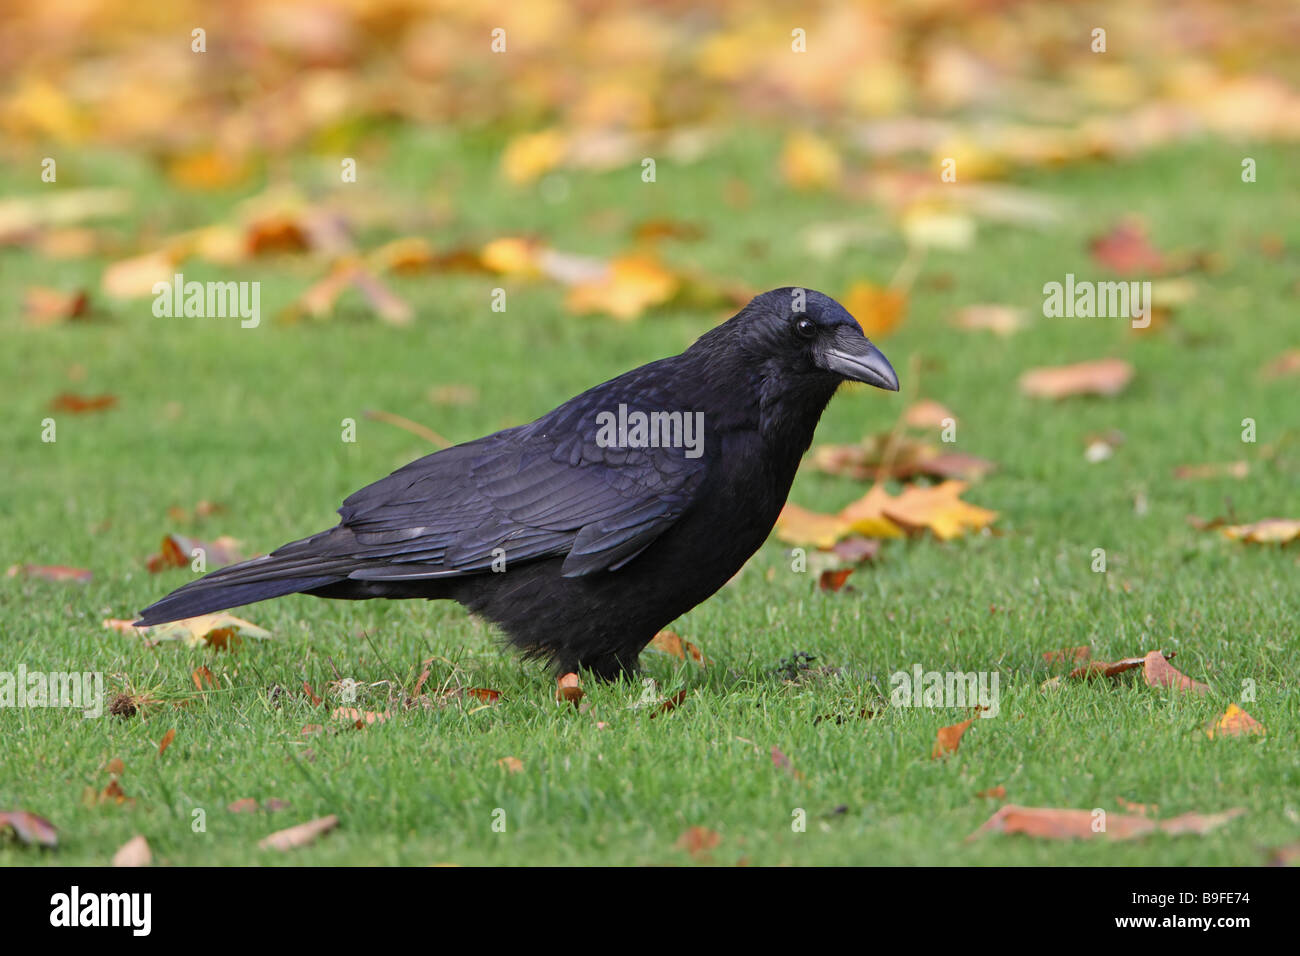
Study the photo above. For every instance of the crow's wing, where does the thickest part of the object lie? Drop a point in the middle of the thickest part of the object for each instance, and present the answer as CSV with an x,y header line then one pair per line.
x,y
543,490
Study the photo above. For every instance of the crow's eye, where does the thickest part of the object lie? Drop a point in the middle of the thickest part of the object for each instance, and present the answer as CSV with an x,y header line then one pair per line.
x,y
805,328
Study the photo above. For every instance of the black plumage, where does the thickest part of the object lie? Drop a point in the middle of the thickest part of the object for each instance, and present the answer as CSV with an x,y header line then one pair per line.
x,y
581,548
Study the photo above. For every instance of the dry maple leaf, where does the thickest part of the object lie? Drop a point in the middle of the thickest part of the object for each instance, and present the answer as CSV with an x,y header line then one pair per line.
x,y
948,739
1235,722
866,515
798,526
939,508
300,835
1101,377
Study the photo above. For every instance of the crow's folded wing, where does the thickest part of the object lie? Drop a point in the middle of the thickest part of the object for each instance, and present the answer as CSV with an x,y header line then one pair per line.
x,y
544,490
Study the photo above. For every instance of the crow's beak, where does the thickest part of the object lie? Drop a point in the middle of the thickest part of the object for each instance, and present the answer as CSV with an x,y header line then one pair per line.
x,y
859,361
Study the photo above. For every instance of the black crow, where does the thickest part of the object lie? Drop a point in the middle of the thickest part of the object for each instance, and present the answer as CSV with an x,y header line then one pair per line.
x,y
584,533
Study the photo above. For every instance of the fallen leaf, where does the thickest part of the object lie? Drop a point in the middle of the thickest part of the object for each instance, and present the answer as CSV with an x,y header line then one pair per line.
x,y
50,572
29,828
46,306
1102,377
167,739
938,508
698,841
81,404
1235,469
927,414
300,835
215,630
1288,363
996,793
244,805
134,852
569,688
833,580
809,162
1126,249
878,310
798,526
670,643
948,739
628,286
360,718
1265,531
511,764
857,549
1074,654
1057,824
178,552
1235,722
669,704
1160,673
1001,320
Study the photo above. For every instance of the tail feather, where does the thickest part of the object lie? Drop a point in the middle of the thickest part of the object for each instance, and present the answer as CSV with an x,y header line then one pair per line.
x,y
206,596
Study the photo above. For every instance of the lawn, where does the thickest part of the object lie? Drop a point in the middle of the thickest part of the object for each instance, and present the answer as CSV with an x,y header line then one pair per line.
x,y
251,419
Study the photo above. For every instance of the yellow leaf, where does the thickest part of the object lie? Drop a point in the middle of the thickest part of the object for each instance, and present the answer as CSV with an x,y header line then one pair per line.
x,y
799,526
878,310
531,156
809,162
866,516
629,286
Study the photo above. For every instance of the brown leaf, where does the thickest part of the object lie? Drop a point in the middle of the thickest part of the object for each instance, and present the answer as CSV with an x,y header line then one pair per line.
x,y
244,805
1235,469
167,739
311,694
178,552
1288,363
45,306
1126,249
1102,377
670,643
569,688
927,414
201,675
948,739
669,704
833,580
29,828
50,572
80,404
1160,673
300,835
1074,654
997,793
698,841
360,718
1235,722
1057,824
134,852
484,694
511,764
857,549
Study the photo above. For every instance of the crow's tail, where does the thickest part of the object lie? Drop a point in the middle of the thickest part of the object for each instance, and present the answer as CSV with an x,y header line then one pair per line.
x,y
301,566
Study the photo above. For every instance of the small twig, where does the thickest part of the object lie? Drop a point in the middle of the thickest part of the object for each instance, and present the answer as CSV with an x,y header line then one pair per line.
x,y
415,428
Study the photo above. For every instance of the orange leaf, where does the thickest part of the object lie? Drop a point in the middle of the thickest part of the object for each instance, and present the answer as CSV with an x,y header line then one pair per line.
x,y
949,739
1102,377
1235,722
1160,673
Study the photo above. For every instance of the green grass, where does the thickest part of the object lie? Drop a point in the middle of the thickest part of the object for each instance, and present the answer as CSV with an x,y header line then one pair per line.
x,y
251,419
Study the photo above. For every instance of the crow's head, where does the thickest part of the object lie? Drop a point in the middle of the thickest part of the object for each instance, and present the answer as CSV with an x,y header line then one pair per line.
x,y
800,333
